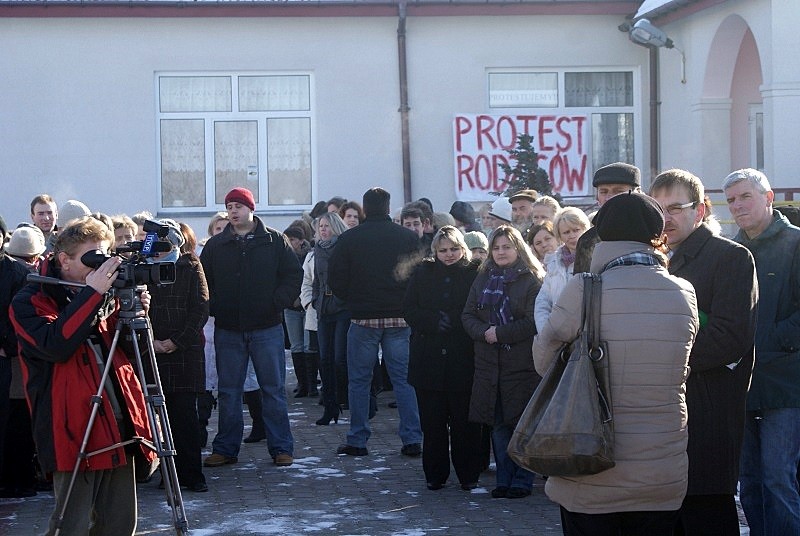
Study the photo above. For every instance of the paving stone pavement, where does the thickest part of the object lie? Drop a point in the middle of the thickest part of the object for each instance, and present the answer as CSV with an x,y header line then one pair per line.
x,y
380,494
322,493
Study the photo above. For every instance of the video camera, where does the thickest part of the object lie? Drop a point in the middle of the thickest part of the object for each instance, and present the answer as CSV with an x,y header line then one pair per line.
x,y
138,268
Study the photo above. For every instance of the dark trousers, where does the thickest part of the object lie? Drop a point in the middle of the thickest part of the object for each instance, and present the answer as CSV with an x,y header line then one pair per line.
x,y
646,523
19,470
448,433
186,436
708,515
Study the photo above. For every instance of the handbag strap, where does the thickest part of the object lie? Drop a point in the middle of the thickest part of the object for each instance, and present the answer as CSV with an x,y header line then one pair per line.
x,y
595,290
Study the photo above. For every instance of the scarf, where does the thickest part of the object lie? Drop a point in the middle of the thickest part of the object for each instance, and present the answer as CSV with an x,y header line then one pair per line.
x,y
494,296
567,258
635,258
327,244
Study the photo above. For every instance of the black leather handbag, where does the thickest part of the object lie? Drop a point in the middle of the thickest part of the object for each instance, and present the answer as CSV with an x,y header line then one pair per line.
x,y
567,427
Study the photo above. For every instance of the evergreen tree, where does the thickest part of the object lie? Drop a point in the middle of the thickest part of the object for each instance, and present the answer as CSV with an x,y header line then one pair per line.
x,y
526,173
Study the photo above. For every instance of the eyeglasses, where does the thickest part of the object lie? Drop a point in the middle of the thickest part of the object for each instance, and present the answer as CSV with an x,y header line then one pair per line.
x,y
674,210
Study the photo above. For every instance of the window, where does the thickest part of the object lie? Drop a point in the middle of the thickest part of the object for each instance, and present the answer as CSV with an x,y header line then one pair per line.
x,y
605,97
219,131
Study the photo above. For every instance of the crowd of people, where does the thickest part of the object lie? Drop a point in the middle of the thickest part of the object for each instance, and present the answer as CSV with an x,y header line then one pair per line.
x,y
459,313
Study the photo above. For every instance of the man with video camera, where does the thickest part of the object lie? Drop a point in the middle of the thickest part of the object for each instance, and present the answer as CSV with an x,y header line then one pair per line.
x,y
65,334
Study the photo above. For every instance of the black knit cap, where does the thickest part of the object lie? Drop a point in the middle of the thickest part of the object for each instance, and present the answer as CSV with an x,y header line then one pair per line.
x,y
633,216
618,173
463,212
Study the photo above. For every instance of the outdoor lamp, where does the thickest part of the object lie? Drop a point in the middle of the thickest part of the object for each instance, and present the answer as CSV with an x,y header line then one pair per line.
x,y
643,32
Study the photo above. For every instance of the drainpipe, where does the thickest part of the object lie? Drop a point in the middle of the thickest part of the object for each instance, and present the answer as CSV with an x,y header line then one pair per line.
x,y
655,103
401,53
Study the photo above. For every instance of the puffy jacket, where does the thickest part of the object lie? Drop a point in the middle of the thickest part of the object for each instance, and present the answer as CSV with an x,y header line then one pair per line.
x,y
649,320
62,375
439,360
552,286
251,278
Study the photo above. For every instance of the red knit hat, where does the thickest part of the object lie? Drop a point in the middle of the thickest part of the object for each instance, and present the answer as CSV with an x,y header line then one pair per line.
x,y
241,195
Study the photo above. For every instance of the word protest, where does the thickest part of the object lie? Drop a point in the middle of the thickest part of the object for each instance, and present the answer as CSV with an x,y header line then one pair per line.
x,y
482,142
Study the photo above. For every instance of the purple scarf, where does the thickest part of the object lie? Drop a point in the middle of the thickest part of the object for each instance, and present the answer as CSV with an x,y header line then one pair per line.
x,y
567,258
494,296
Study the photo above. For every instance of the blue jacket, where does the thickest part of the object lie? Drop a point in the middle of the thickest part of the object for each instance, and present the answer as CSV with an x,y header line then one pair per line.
x,y
776,377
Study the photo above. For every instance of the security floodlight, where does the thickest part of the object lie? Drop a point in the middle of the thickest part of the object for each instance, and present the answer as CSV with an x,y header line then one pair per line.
x,y
645,33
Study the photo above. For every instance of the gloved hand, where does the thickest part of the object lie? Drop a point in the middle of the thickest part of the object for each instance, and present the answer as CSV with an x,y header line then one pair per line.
x,y
444,322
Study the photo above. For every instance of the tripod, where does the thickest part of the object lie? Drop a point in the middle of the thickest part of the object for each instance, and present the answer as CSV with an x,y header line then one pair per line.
x,y
162,444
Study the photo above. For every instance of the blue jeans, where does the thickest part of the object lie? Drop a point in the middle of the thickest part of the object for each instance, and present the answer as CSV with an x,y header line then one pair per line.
x,y
295,327
332,336
509,474
265,348
362,354
768,486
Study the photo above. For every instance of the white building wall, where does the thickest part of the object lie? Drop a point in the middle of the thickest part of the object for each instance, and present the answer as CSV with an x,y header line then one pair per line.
x,y
77,118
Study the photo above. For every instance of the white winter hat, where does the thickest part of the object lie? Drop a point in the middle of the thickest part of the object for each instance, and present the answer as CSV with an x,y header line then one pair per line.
x,y
26,242
71,210
501,209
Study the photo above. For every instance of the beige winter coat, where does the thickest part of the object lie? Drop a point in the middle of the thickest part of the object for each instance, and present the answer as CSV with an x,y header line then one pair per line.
x,y
649,320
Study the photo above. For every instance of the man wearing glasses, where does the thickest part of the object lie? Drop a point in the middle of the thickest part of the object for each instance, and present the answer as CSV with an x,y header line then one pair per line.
x,y
724,278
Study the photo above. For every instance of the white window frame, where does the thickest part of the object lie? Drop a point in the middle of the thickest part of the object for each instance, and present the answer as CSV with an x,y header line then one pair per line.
x,y
261,117
635,108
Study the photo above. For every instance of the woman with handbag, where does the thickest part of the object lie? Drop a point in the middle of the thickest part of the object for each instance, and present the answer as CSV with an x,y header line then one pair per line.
x,y
333,321
648,322
498,317
440,362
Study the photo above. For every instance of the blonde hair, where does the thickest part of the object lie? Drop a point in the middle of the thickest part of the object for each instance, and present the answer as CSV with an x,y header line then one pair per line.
x,y
81,231
214,219
571,215
451,233
524,252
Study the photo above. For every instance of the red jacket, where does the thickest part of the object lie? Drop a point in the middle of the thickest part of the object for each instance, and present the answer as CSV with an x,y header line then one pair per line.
x,y
61,375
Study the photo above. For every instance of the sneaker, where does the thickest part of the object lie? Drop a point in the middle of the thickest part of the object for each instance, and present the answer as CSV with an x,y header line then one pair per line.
x,y
217,460
283,459
412,449
351,450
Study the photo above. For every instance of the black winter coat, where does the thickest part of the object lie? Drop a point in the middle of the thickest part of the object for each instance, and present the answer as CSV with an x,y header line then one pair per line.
x,y
251,279
724,279
13,275
178,312
367,266
506,366
439,360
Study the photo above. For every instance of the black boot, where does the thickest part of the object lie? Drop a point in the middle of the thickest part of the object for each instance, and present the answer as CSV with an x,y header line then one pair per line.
x,y
342,380
312,366
299,361
253,401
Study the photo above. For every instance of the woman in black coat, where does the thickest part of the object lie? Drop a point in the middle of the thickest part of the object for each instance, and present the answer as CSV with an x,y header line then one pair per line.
x,y
178,313
498,317
441,360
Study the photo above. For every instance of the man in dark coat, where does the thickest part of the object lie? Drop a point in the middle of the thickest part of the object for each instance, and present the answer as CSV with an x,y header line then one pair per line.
x,y
610,180
771,447
253,275
723,275
365,271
